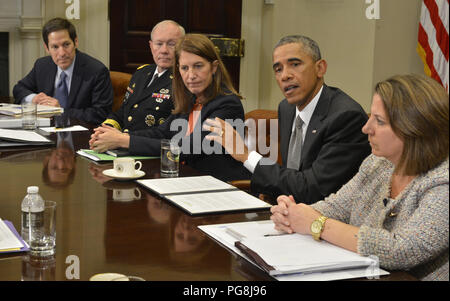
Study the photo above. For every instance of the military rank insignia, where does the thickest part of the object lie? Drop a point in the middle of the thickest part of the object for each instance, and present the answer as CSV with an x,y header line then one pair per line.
x,y
150,120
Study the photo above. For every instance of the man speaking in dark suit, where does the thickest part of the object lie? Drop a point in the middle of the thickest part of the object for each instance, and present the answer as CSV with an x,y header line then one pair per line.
x,y
67,78
321,141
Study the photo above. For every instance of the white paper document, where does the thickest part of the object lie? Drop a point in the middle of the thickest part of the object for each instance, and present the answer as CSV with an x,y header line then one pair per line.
x,y
7,239
75,128
217,201
22,135
204,194
294,257
168,186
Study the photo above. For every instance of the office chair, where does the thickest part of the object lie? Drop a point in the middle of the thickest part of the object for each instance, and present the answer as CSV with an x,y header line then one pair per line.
x,y
120,81
259,137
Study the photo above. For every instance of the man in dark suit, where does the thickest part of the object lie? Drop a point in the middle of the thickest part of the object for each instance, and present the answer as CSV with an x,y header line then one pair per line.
x,y
321,141
148,100
67,78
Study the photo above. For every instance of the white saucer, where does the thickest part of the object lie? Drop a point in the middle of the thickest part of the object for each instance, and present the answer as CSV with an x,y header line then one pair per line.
x,y
112,174
106,277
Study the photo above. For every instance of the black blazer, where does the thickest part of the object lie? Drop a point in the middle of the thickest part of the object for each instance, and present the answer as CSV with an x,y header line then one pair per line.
x,y
91,93
217,162
144,107
333,149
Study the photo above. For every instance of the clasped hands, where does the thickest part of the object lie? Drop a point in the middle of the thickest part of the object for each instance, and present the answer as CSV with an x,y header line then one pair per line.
x,y
44,99
105,138
290,217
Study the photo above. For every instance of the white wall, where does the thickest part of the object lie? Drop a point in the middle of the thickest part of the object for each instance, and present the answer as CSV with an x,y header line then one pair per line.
x,y
359,51
92,27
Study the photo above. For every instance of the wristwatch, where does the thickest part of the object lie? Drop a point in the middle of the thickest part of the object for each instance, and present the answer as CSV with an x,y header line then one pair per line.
x,y
317,227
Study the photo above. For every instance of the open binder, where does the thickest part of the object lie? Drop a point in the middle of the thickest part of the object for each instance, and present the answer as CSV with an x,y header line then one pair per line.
x,y
10,240
291,256
204,195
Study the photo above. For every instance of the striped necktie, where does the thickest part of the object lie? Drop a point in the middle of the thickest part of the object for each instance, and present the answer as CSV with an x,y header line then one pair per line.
x,y
295,145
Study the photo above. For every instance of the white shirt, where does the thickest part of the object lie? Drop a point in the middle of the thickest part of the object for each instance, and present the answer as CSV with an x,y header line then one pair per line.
x,y
68,72
159,75
305,115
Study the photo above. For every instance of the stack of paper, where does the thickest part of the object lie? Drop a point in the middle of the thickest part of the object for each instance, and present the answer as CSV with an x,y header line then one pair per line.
x,y
204,195
16,110
10,240
291,256
9,122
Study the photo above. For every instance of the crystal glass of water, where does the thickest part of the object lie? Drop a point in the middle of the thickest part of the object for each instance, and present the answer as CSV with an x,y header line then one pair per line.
x,y
29,112
170,158
43,239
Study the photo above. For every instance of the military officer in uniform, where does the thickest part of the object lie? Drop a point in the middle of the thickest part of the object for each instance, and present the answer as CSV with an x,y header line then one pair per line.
x,y
144,105
148,100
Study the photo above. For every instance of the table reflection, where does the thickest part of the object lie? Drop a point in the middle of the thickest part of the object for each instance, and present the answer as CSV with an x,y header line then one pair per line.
x,y
59,165
38,268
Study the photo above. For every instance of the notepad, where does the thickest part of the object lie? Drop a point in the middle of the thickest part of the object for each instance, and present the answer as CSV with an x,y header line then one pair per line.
x,y
204,195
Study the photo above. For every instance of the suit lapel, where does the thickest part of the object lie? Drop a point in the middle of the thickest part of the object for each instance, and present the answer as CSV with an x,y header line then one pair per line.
x,y
320,113
77,78
286,127
49,80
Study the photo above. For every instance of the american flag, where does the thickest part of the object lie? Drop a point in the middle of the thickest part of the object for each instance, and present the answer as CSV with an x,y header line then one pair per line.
x,y
433,39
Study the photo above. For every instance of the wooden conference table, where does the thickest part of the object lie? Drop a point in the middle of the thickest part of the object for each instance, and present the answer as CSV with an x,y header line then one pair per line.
x,y
114,227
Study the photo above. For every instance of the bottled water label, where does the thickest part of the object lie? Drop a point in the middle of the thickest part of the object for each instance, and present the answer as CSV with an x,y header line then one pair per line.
x,y
35,219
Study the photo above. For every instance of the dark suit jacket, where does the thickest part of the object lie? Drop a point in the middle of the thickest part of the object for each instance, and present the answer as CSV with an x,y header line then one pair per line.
x,y
333,149
216,163
144,107
91,93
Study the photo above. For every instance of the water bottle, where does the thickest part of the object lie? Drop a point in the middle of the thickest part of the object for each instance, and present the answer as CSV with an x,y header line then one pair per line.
x,y
32,213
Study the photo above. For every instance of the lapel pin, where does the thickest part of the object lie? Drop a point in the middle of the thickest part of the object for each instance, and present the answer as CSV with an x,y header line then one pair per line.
x,y
314,131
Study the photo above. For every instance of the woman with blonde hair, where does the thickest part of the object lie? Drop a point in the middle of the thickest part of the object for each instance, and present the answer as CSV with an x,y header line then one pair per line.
x,y
396,206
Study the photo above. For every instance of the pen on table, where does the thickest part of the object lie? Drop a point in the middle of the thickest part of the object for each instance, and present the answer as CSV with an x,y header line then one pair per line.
x,y
276,234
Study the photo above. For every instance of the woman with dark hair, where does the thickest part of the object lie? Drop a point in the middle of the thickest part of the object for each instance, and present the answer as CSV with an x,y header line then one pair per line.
x,y
202,89
396,206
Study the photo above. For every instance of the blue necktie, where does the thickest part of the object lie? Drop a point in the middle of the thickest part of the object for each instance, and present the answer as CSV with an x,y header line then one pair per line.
x,y
61,92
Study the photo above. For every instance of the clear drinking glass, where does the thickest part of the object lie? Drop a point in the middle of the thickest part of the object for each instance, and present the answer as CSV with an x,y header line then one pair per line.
x,y
43,238
29,113
170,158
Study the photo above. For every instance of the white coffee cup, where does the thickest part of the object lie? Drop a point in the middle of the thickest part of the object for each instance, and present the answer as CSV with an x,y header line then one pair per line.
x,y
126,167
124,195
